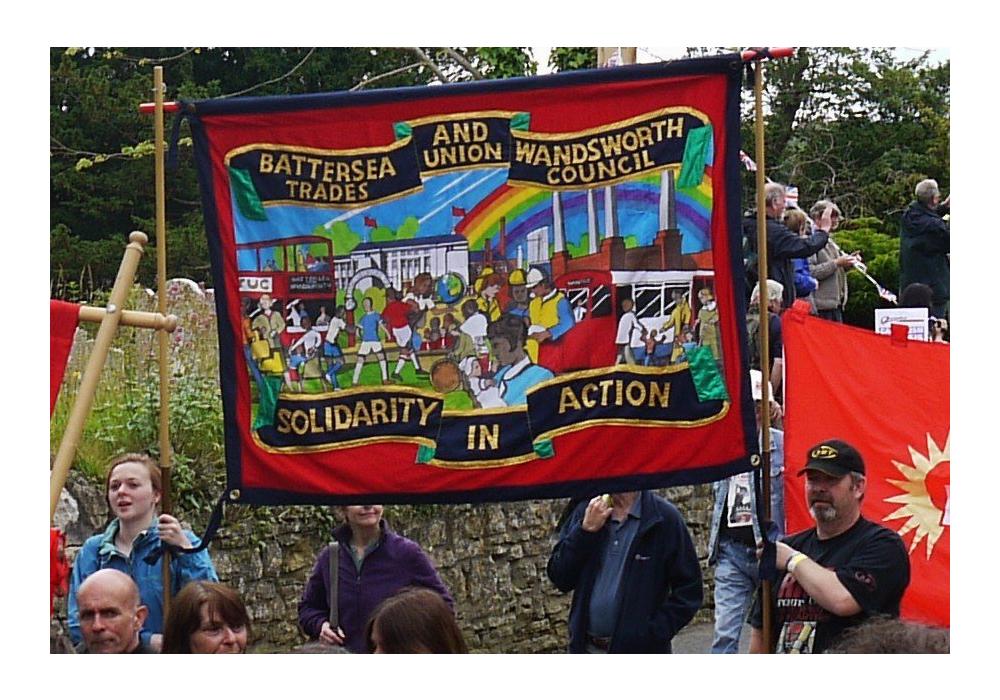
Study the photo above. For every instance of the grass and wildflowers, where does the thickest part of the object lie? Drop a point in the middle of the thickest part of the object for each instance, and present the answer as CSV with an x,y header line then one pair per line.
x,y
125,412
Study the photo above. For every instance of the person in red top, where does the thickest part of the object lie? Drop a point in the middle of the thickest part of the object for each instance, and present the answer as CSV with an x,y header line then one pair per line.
x,y
397,317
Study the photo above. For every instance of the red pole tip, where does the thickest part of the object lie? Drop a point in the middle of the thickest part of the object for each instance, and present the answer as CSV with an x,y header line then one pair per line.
x,y
775,52
150,107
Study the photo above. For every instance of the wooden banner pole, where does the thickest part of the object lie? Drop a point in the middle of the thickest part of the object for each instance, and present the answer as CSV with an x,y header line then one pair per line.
x,y
112,315
166,500
765,320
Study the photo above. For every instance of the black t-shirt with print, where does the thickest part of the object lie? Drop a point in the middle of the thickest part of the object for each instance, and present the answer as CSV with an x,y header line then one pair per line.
x,y
872,564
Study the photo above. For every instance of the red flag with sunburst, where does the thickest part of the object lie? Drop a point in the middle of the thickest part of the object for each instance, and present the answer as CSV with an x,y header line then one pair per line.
x,y
889,398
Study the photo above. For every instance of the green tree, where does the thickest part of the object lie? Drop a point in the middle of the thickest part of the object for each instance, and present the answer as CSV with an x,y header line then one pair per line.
x,y
101,175
860,125
564,58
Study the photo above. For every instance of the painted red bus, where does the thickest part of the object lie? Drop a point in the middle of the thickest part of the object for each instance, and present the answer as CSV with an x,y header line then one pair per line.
x,y
596,298
297,273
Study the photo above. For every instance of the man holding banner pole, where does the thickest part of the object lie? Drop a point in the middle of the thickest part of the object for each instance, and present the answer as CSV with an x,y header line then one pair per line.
x,y
839,573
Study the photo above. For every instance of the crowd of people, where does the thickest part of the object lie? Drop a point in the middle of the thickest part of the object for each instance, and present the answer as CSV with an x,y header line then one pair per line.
x,y
628,558
388,596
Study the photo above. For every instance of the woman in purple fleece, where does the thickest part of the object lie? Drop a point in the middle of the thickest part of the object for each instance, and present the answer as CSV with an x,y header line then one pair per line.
x,y
374,564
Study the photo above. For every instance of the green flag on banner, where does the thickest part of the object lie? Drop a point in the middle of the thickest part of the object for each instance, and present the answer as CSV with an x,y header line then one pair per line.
x,y
695,153
269,390
544,448
246,195
708,382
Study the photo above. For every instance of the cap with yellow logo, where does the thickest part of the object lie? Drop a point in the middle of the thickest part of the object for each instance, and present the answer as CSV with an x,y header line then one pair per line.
x,y
834,457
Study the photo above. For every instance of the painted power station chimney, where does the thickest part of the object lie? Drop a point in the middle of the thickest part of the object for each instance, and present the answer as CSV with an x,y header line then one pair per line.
x,y
558,235
610,212
503,239
591,223
668,217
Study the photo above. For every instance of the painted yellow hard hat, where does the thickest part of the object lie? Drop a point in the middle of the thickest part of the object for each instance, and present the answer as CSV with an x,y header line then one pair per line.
x,y
516,278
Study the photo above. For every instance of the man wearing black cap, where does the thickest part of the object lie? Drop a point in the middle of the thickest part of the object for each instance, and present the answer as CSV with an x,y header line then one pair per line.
x,y
839,573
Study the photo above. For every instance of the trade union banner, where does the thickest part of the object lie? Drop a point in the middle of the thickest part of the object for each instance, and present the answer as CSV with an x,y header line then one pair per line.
x,y
893,407
493,290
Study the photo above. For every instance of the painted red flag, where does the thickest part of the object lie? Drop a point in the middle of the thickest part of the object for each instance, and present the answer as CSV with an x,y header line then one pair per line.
x,y
457,211
370,222
63,318
890,399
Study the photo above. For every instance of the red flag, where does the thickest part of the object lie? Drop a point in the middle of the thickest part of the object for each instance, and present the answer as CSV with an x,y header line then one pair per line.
x,y
890,399
63,318
58,566
457,211
370,222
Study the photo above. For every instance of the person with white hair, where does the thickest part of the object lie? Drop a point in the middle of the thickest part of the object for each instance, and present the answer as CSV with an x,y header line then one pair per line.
x,y
925,244
830,266
784,245
775,294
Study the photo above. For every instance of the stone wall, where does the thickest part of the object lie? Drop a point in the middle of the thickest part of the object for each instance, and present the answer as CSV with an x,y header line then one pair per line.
x,y
492,557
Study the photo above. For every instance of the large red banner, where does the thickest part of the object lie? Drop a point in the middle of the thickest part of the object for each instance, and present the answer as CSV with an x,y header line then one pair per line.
x,y
493,290
888,397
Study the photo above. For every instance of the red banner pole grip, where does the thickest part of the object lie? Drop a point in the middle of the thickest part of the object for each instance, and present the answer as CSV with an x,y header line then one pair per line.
x,y
760,53
148,107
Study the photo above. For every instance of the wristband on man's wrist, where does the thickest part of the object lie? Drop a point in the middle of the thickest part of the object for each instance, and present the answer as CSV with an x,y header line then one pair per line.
x,y
794,561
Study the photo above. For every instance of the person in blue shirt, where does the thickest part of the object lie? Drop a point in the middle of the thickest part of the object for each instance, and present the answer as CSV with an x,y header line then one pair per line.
x,y
371,341
633,569
805,284
133,544
736,531
516,373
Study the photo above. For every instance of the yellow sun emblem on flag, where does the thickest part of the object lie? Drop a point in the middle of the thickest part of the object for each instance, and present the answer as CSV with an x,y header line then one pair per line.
x,y
926,494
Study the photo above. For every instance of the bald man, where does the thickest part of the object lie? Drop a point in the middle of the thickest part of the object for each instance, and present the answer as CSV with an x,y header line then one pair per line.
x,y
111,614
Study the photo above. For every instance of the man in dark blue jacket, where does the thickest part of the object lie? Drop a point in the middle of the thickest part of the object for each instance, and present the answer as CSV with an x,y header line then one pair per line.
x,y
924,245
783,244
633,571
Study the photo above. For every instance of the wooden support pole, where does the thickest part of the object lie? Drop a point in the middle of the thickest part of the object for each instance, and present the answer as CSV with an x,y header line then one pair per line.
x,y
765,320
166,499
137,319
92,372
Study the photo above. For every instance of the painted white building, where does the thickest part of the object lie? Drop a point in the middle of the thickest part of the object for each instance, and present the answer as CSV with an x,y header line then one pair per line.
x,y
403,260
538,246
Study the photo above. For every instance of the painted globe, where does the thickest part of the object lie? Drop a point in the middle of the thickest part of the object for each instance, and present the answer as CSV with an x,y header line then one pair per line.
x,y
450,288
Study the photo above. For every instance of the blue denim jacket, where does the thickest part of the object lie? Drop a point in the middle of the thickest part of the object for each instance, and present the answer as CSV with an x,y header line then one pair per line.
x,y
721,491
99,552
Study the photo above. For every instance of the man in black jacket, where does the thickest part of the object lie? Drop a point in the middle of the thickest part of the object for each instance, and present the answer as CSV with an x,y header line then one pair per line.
x,y
633,571
924,245
783,244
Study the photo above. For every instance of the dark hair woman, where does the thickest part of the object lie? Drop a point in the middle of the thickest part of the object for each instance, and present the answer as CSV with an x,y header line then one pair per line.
x,y
414,621
206,618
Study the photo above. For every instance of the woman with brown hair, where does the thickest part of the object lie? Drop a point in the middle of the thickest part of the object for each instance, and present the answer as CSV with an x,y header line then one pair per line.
x,y
206,618
133,543
414,621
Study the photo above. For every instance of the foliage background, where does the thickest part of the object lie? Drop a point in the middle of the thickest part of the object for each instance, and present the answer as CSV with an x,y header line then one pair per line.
x,y
861,125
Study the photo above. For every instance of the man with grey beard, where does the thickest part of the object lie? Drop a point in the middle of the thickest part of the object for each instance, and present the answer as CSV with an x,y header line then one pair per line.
x,y
839,573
